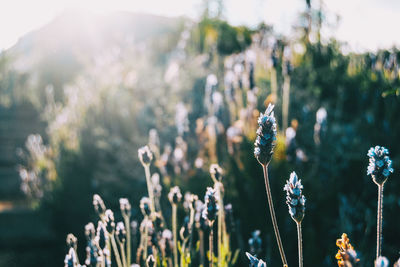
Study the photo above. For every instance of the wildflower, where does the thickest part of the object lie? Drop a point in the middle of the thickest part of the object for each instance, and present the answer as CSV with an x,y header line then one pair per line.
x,y
190,201
98,204
216,172
101,235
397,263
72,241
255,243
93,254
175,195
150,262
346,255
211,207
70,259
294,197
166,243
145,155
254,262
381,262
120,233
145,206
266,136
125,207
109,220
380,165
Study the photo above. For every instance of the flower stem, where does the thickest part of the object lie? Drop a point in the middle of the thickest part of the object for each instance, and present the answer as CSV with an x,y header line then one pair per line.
x,y
273,218
116,253
175,233
128,240
211,247
300,243
121,246
379,221
149,188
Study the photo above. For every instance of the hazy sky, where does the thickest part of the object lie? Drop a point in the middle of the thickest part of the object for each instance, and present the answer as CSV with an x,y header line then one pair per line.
x,y
364,24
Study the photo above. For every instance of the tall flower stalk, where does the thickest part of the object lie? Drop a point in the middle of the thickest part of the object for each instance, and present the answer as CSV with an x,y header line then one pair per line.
x,y
380,167
346,255
210,213
296,203
175,197
263,151
125,207
146,156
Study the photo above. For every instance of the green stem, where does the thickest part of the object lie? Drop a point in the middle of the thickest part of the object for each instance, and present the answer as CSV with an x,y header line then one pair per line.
x,y
128,240
146,235
300,243
121,246
175,233
220,222
211,245
149,188
379,221
273,218
116,253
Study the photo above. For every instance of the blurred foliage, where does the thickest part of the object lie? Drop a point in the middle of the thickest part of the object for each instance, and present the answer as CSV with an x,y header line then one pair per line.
x,y
99,104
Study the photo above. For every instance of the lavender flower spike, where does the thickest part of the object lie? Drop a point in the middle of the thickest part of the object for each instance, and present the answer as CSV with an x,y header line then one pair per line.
x,y
380,165
266,136
254,262
294,198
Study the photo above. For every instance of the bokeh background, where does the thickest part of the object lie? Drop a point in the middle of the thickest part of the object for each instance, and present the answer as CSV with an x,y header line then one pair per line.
x,y
81,92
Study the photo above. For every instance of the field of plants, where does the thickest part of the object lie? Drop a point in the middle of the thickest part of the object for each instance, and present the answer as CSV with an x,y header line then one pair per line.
x,y
140,140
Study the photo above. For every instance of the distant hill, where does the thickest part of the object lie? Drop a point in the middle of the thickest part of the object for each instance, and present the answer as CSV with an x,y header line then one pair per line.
x,y
55,54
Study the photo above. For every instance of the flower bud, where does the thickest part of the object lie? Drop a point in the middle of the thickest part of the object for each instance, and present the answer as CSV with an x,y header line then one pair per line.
x,y
98,204
125,207
211,207
266,136
254,262
294,198
120,233
175,195
145,206
380,165
145,155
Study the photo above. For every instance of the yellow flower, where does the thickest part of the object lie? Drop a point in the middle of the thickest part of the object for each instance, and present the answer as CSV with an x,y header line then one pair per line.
x,y
346,255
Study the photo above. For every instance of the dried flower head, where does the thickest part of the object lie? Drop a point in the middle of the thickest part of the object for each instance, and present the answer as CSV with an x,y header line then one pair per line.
x,y
166,243
145,206
381,262
120,232
150,262
175,195
101,235
266,136
211,205
110,222
145,155
70,259
125,207
216,172
346,255
98,204
72,241
380,165
254,262
90,231
294,198
190,201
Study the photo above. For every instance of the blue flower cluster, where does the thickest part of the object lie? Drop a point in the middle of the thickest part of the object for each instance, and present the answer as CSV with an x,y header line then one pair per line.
x,y
211,207
294,197
254,262
380,165
266,136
